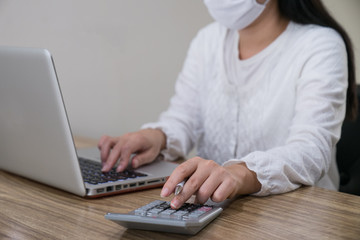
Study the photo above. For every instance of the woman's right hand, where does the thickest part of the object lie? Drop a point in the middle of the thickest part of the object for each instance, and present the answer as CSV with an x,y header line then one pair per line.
x,y
146,144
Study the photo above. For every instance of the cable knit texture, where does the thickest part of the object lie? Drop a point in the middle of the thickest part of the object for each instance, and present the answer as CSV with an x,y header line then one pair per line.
x,y
280,111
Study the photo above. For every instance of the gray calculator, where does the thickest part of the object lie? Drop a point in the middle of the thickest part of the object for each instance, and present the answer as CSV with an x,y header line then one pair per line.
x,y
159,216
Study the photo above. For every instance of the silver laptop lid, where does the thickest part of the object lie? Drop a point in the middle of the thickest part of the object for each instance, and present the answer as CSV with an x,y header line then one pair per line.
x,y
35,137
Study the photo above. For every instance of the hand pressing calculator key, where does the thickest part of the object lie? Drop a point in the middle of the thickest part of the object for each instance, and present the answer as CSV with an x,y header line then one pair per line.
x,y
159,216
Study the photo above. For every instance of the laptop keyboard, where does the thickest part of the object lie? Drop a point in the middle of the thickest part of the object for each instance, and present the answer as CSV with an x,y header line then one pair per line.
x,y
91,172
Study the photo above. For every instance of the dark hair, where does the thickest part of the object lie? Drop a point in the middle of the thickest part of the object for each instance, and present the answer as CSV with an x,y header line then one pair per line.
x,y
314,12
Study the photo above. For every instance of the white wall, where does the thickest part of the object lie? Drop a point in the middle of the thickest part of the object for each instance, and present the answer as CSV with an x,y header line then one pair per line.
x,y
117,60
347,13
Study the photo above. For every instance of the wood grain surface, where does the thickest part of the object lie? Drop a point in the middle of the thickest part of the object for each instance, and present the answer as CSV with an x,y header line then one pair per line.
x,y
30,210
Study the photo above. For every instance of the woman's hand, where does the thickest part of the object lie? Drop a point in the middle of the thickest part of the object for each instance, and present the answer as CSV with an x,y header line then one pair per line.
x,y
207,179
146,144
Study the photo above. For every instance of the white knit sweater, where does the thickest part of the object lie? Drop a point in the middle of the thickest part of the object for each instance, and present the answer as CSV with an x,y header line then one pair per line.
x,y
279,111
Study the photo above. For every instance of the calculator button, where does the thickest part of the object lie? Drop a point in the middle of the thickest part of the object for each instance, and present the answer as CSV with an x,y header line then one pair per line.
x,y
153,204
205,208
162,209
197,213
171,220
167,212
140,212
193,215
179,214
154,212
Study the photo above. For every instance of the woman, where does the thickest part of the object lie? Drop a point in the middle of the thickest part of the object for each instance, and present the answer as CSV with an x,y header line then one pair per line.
x,y
262,94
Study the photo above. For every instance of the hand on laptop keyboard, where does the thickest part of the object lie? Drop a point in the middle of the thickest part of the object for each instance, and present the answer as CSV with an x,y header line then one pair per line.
x,y
146,143
91,172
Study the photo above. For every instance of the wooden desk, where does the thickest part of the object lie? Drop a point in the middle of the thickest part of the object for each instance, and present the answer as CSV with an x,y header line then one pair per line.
x,y
29,210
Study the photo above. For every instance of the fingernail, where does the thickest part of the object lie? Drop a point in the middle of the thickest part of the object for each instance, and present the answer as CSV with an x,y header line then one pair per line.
x,y
135,163
164,192
175,203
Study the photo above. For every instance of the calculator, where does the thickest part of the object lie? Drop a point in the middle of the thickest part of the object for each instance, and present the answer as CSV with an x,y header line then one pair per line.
x,y
159,216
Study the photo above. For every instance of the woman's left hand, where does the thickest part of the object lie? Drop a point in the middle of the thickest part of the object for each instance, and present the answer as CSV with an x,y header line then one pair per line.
x,y
207,179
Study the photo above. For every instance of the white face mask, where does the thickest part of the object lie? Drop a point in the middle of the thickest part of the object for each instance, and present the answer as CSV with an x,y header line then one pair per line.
x,y
235,14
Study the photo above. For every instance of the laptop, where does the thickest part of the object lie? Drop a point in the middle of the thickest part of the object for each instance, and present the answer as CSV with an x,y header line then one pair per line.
x,y
36,141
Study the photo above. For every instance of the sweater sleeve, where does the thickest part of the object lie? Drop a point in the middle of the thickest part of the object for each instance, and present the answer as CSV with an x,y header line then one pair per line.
x,y
320,109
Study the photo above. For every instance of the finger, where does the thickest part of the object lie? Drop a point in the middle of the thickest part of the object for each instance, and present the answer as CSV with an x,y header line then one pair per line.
x,y
125,155
207,189
111,160
105,144
102,140
143,158
180,173
192,185
121,153
135,144
114,156
225,190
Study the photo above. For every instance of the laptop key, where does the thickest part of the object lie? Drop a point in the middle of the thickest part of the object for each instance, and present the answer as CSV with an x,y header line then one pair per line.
x,y
91,172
